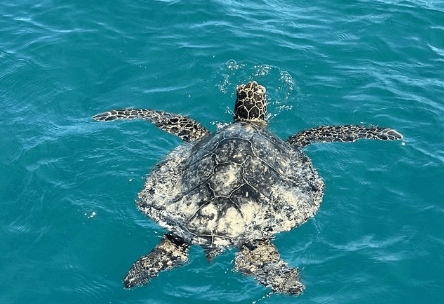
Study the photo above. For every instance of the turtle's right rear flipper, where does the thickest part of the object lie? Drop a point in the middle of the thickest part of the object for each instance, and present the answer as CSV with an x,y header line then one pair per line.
x,y
260,259
170,253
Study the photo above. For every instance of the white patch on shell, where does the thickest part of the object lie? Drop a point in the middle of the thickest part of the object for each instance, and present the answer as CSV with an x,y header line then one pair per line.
x,y
206,220
230,176
164,186
250,210
227,178
231,224
221,242
293,207
185,207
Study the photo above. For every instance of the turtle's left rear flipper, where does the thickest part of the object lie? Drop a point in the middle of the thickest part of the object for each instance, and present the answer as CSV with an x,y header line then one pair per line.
x,y
170,253
186,128
261,260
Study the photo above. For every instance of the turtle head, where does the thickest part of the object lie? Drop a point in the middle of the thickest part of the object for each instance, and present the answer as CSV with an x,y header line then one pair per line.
x,y
251,103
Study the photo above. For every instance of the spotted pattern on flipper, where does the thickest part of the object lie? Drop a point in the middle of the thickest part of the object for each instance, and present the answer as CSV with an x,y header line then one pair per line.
x,y
184,127
251,104
170,253
347,133
261,260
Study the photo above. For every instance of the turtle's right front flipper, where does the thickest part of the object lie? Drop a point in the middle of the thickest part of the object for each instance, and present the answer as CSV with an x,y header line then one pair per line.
x,y
186,128
170,253
347,133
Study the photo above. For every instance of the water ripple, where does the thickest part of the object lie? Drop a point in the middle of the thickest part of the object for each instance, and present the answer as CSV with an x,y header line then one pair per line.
x,y
69,184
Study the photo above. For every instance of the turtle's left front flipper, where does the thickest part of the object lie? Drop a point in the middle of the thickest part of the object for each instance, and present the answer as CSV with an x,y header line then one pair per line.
x,y
186,128
348,133
261,260
170,253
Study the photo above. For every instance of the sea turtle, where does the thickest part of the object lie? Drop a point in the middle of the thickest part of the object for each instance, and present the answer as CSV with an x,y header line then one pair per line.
x,y
236,187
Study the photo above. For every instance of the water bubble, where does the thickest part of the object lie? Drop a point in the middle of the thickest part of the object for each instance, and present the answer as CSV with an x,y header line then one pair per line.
x,y
93,214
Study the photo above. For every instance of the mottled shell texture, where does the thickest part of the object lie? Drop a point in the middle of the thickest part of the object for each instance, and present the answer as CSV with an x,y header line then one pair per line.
x,y
239,184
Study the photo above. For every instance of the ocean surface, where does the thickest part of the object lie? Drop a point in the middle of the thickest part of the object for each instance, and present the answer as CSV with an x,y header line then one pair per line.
x,y
70,229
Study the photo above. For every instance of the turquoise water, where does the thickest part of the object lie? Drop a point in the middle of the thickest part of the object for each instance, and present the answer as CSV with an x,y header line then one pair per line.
x,y
69,226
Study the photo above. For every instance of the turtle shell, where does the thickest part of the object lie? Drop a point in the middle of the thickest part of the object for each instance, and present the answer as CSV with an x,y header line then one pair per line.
x,y
239,184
